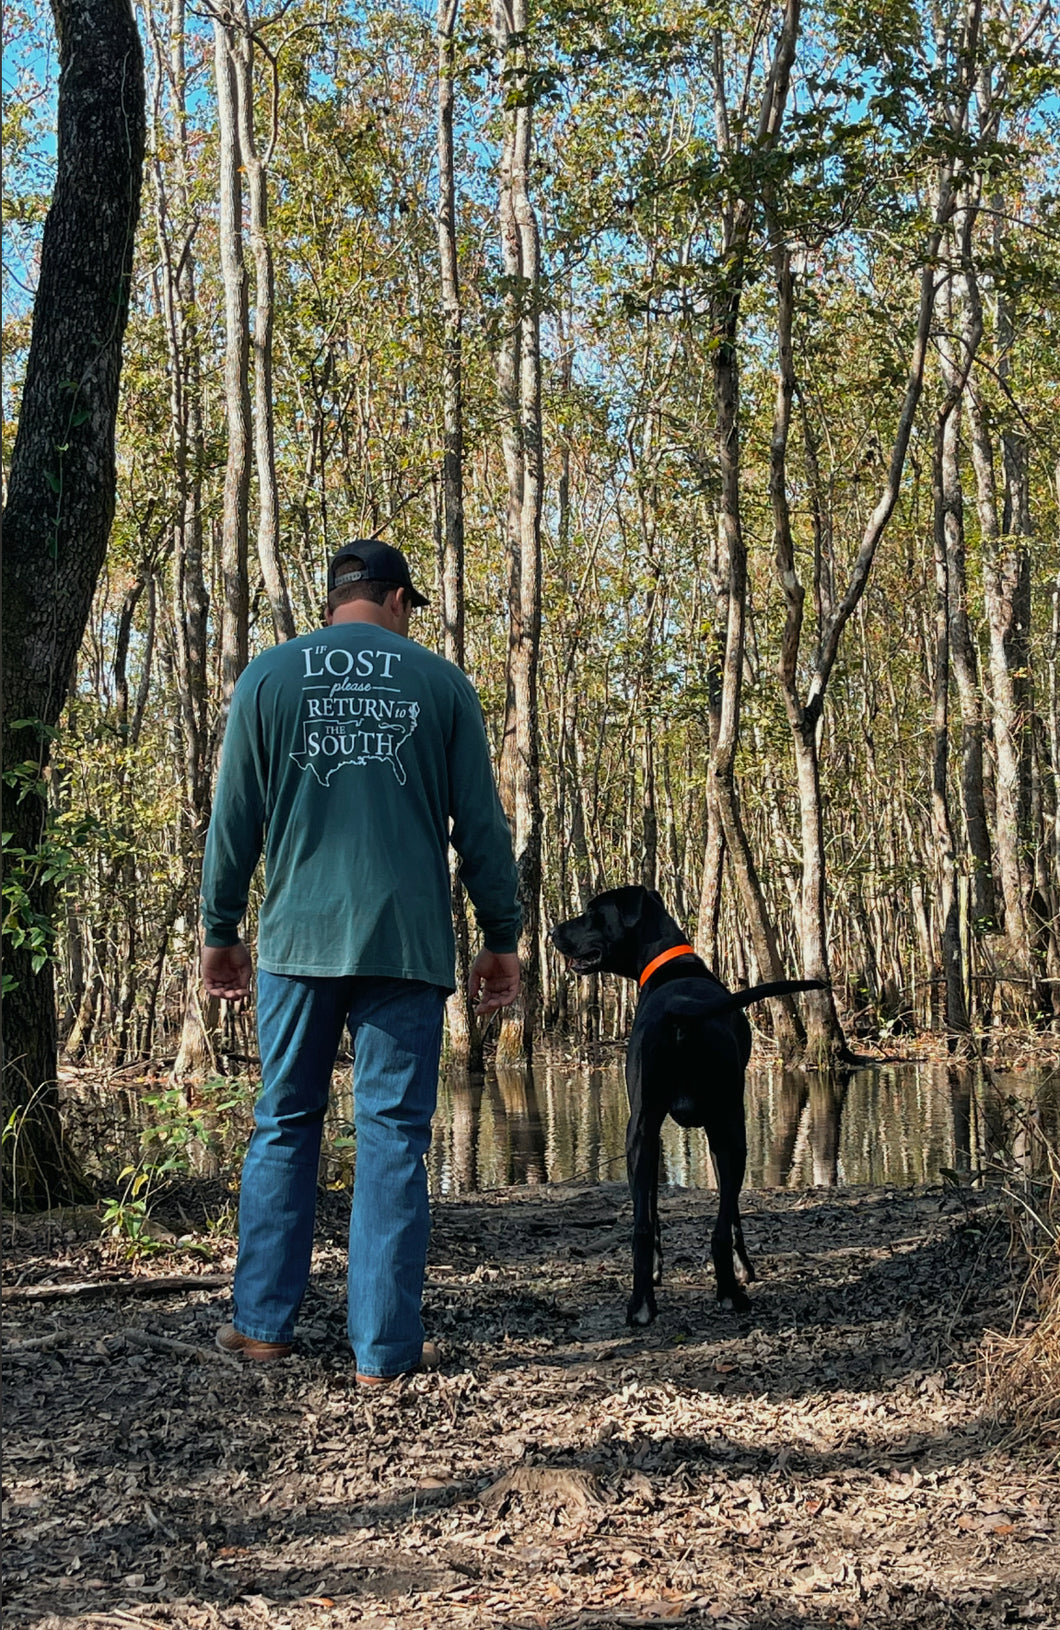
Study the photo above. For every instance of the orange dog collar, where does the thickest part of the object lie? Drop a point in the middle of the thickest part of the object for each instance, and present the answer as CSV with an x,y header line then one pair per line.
x,y
664,956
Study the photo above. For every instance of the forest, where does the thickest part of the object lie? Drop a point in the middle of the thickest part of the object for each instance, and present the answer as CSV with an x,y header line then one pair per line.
x,y
703,363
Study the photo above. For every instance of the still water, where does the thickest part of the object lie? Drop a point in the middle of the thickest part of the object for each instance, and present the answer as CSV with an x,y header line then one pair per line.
x,y
900,1124
558,1123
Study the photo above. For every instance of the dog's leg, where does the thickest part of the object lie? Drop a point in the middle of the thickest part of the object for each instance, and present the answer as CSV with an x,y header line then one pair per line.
x,y
746,1274
656,1277
642,1165
729,1163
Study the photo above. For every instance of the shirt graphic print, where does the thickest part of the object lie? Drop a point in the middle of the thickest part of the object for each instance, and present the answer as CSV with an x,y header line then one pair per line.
x,y
353,711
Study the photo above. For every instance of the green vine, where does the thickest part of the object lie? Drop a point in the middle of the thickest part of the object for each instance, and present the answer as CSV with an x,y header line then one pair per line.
x,y
52,863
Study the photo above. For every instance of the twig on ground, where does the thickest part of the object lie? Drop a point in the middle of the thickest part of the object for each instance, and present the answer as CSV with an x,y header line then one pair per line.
x,y
176,1349
35,1344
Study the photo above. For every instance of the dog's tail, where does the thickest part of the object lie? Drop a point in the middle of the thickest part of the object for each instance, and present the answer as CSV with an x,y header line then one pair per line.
x,y
716,1002
759,993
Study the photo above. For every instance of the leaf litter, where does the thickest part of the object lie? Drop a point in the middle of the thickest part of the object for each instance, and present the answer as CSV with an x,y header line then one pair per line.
x,y
825,1460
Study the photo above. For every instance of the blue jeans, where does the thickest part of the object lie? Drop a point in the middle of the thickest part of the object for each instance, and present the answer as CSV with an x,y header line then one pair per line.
x,y
396,1027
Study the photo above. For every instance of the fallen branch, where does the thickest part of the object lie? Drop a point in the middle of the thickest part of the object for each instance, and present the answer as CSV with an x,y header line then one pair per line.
x,y
35,1344
176,1349
143,1286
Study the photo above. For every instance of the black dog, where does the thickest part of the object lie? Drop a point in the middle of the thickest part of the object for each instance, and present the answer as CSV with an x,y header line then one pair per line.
x,y
686,1058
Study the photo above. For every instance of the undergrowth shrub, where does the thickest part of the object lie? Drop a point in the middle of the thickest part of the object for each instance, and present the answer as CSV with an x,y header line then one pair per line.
x,y
1021,1370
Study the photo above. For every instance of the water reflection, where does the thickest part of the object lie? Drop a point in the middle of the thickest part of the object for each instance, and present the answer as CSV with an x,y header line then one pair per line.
x,y
899,1124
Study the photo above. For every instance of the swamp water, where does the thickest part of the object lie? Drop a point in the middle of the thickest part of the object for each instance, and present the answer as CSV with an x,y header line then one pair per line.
x,y
889,1124
898,1124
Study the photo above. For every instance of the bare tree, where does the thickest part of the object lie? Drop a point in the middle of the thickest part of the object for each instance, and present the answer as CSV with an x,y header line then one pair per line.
x,y
519,388
725,818
465,1037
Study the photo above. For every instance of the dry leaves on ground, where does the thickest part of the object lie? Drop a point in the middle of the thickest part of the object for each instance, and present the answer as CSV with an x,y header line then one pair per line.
x,y
822,1460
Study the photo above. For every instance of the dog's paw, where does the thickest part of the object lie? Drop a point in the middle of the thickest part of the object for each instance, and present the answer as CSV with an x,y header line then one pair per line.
x,y
734,1300
641,1311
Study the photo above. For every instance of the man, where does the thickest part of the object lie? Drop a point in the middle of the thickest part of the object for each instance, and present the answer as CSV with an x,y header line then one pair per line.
x,y
358,756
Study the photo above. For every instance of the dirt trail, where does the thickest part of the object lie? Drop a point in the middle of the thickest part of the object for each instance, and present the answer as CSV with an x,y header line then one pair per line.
x,y
821,1461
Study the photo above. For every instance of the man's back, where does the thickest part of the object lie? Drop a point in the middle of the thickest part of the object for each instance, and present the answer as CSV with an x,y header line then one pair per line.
x,y
352,749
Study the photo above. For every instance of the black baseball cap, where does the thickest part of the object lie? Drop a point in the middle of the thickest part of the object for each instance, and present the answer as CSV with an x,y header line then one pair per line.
x,y
379,563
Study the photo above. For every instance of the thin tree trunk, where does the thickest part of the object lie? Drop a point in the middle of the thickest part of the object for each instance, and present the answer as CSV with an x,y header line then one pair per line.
x,y
465,1036
234,638
957,360
521,393
732,549
1005,528
1006,577
825,1042
241,46
451,573
956,1013
175,230
196,1054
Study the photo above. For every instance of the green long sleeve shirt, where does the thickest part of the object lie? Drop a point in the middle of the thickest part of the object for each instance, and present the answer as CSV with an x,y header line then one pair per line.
x,y
356,756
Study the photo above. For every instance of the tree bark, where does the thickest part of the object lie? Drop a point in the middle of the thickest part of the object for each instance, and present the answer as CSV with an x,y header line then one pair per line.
x,y
725,319
234,638
241,45
175,228
957,354
195,1054
956,1011
825,1042
1005,527
61,495
520,389
465,1036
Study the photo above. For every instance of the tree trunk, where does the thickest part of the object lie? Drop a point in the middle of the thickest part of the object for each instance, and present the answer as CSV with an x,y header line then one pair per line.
x,y
956,1012
1004,528
957,360
451,565
241,46
725,319
195,1054
825,1042
521,395
787,1026
465,1035
61,494
175,226
234,639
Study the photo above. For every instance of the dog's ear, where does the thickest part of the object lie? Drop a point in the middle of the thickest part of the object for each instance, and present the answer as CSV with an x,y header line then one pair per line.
x,y
609,912
653,894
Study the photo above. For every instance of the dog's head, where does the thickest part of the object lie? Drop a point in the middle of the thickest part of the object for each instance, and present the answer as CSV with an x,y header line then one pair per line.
x,y
613,930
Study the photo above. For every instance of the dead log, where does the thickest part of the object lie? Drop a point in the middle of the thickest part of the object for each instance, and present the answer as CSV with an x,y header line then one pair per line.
x,y
141,1286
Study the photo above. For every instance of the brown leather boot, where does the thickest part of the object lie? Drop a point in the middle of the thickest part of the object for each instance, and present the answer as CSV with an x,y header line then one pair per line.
x,y
231,1340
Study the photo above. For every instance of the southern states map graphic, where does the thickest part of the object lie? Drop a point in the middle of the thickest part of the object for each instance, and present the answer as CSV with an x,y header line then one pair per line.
x,y
353,712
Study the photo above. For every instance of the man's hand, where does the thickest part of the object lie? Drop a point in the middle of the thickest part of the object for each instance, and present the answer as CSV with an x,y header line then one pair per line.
x,y
493,981
226,971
